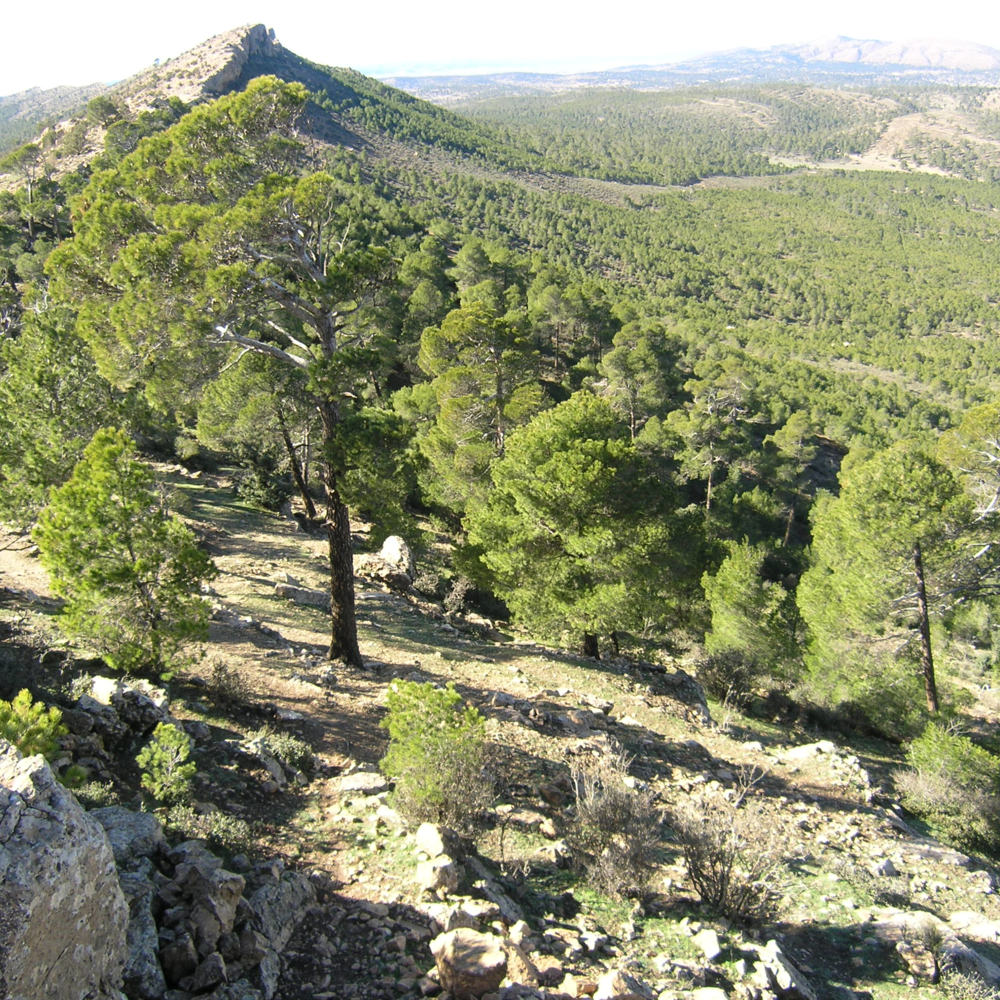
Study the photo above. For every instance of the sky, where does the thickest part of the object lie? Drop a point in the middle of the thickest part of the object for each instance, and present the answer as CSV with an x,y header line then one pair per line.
x,y
106,40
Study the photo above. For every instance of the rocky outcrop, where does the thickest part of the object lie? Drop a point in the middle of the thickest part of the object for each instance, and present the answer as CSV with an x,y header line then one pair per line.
x,y
63,916
245,43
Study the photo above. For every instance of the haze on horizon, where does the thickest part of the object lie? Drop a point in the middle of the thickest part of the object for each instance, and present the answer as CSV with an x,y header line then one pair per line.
x,y
108,40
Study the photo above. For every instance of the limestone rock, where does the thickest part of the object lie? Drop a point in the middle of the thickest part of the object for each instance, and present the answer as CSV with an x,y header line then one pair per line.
x,y
440,874
469,963
394,565
520,968
143,976
213,894
131,835
435,840
620,984
365,782
63,917
808,750
280,907
919,960
775,970
708,941
179,959
211,972
303,595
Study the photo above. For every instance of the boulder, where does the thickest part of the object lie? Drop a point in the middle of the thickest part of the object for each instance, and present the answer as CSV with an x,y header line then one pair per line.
x,y
435,840
775,972
139,705
63,917
143,976
132,835
620,984
520,968
213,894
280,907
708,941
365,782
469,963
394,565
439,875
303,595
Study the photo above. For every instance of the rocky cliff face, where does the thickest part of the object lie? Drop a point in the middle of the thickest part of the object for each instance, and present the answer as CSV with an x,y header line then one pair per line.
x,y
63,917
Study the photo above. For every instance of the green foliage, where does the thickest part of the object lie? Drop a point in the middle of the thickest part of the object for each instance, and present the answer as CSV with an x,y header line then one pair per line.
x,y
579,531
223,831
130,572
955,786
166,771
289,749
259,481
437,755
751,614
32,728
730,676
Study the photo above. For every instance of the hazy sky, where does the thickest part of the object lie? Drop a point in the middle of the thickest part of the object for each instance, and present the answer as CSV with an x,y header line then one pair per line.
x,y
84,42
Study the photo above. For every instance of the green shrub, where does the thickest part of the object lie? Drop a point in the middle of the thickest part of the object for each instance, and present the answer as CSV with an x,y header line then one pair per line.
x,y
97,795
259,481
221,830
955,786
289,749
131,573
437,755
229,685
166,773
30,727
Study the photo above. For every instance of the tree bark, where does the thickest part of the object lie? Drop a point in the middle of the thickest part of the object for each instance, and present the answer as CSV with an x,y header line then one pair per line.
x,y
926,656
343,622
293,461
590,646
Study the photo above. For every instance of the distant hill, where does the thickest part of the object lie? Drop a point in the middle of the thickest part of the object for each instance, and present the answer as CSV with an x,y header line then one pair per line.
x,y
827,61
22,114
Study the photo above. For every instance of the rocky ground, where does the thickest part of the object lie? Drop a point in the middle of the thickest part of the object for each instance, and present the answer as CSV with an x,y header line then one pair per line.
x,y
373,908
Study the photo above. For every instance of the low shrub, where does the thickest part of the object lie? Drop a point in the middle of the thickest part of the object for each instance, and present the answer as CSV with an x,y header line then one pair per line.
x,y
616,832
31,727
289,749
222,830
166,772
437,756
733,852
228,685
259,481
955,786
97,795
874,890
730,676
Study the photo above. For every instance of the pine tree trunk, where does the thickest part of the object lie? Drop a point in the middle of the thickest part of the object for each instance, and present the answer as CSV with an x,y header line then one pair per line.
x,y
590,646
926,656
343,622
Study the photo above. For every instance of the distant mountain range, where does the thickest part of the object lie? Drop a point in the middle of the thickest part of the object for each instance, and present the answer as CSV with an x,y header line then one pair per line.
x,y
835,60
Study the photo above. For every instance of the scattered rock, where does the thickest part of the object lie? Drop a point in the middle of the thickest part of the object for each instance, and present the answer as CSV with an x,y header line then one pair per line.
x,y
440,875
708,941
303,595
436,840
469,963
620,984
143,977
365,782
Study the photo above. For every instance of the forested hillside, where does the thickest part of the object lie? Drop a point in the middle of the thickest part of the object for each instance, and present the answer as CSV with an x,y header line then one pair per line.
x,y
642,375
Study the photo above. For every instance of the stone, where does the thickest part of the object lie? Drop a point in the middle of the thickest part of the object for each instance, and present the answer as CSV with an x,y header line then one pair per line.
x,y
303,595
143,977
394,565
709,993
213,894
808,750
708,941
791,984
520,968
519,932
919,960
211,972
179,959
885,868
440,874
397,554
469,963
63,916
131,835
280,908
620,984
436,840
365,782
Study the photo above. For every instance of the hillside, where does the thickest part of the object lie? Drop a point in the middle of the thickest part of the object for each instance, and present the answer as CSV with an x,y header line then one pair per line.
x,y
539,549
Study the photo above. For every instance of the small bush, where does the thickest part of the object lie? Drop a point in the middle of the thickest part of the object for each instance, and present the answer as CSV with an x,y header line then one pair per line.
x,y
221,830
289,749
730,677
259,481
733,854
437,755
30,727
955,786
874,890
229,685
616,830
164,761
97,795
967,986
